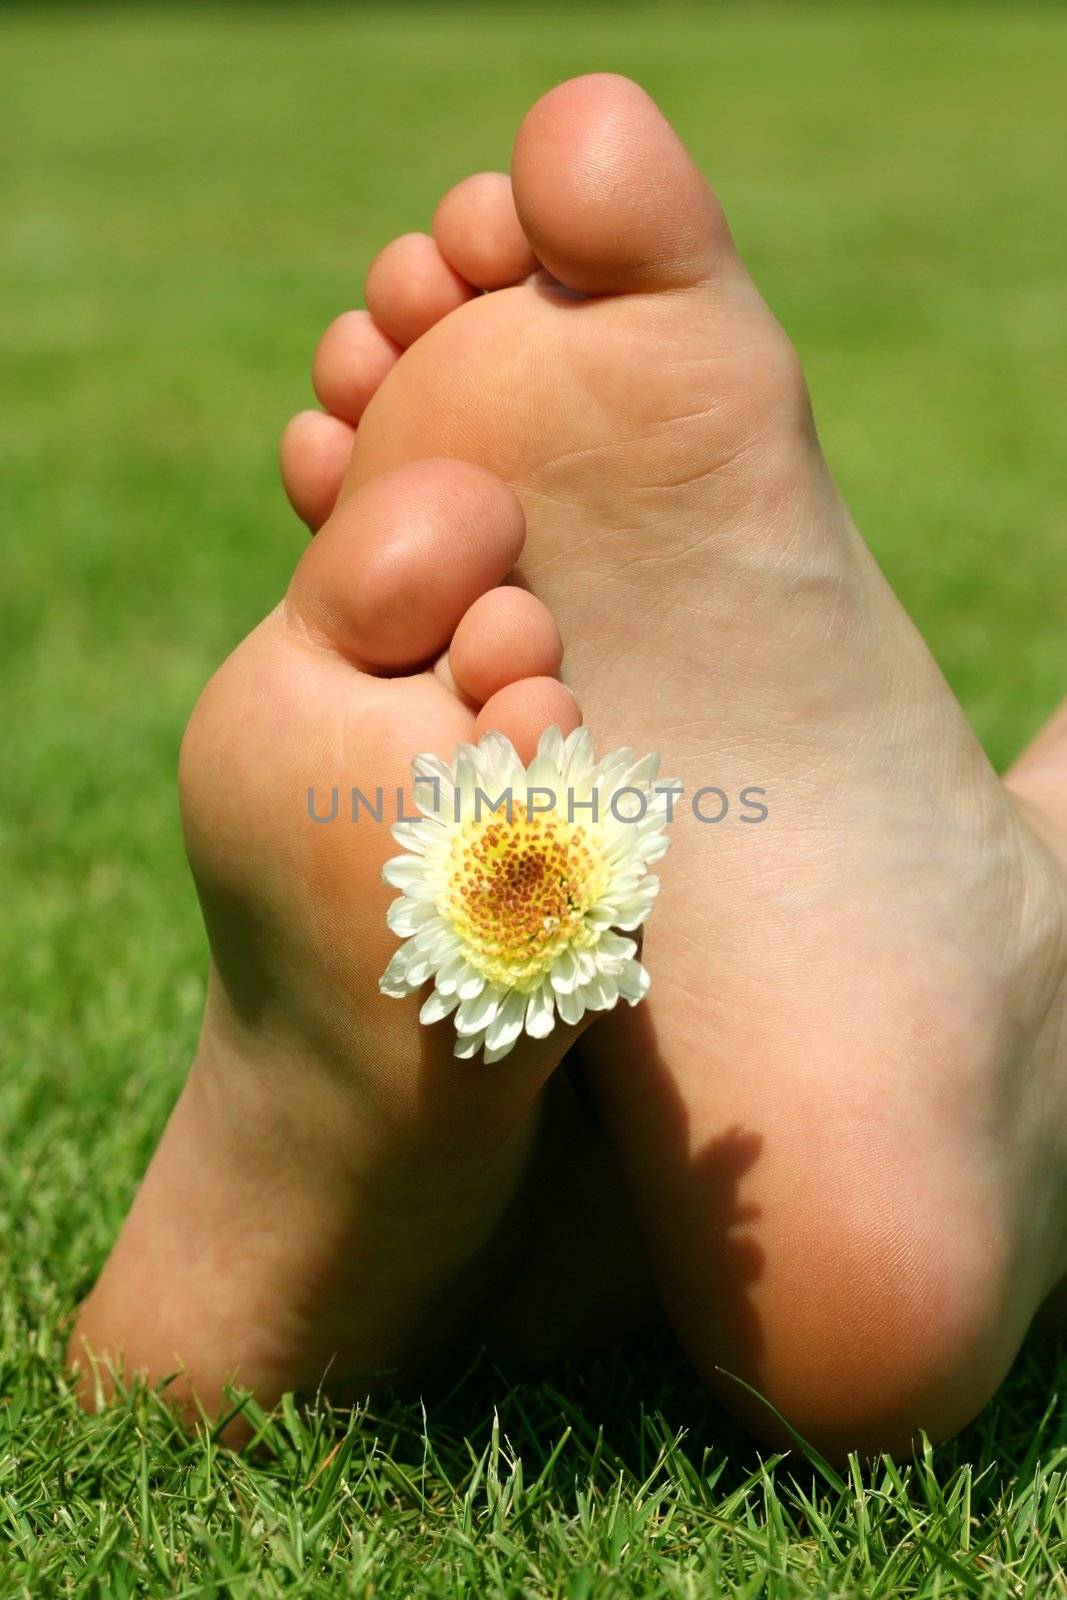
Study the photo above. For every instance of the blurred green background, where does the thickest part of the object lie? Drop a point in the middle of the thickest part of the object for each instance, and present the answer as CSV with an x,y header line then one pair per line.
x,y
189,194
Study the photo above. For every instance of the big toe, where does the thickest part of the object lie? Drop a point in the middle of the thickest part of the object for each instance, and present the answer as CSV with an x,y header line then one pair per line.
x,y
608,195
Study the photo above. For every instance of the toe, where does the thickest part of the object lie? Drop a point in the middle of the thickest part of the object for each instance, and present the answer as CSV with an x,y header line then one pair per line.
x,y
314,454
478,232
410,286
400,561
608,195
507,634
1038,780
353,357
525,709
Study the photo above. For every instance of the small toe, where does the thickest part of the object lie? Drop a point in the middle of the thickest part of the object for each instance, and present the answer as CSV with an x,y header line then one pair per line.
x,y
410,286
353,357
314,453
399,562
523,711
507,634
607,193
478,232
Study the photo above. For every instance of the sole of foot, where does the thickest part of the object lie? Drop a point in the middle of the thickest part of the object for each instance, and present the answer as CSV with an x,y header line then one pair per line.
x,y
840,1115
330,1199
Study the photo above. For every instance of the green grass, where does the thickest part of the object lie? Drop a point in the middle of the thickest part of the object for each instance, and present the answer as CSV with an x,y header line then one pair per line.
x,y
188,197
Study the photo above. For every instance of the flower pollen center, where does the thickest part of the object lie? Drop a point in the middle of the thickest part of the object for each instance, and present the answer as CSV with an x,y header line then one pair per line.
x,y
517,892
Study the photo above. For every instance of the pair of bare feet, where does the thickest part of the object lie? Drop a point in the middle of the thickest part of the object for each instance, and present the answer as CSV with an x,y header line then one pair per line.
x,y
835,1132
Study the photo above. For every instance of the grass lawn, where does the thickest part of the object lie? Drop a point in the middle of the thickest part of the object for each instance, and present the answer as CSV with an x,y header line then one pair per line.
x,y
188,197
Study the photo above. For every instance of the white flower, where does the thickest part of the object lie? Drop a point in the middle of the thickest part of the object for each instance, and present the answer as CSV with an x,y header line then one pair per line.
x,y
518,913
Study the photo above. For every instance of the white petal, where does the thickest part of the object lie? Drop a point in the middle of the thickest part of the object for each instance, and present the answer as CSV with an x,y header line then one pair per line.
x,y
578,760
468,1045
571,1009
407,952
413,835
607,776
497,746
427,766
609,990
540,1013
502,764
595,995
395,988
655,847
438,940
611,948
419,971
638,905
405,916
437,1007
435,804
507,1024
471,987
564,974
550,745
640,773
452,973
542,773
577,740
432,788
395,980
633,982
628,810
627,876
476,1015
498,1053
422,890
469,776
586,966
404,872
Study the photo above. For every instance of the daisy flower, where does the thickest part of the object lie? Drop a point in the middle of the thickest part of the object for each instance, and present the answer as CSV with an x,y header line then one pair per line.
x,y
520,883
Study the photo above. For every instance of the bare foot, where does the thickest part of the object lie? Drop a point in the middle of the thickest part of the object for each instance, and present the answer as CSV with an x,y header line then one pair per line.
x,y
328,1197
841,1115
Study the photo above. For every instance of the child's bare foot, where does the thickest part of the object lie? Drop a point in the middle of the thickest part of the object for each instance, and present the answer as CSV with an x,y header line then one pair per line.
x,y
330,1188
842,1113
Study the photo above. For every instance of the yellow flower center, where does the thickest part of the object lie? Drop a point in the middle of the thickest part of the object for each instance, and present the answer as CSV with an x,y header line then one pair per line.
x,y
517,893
